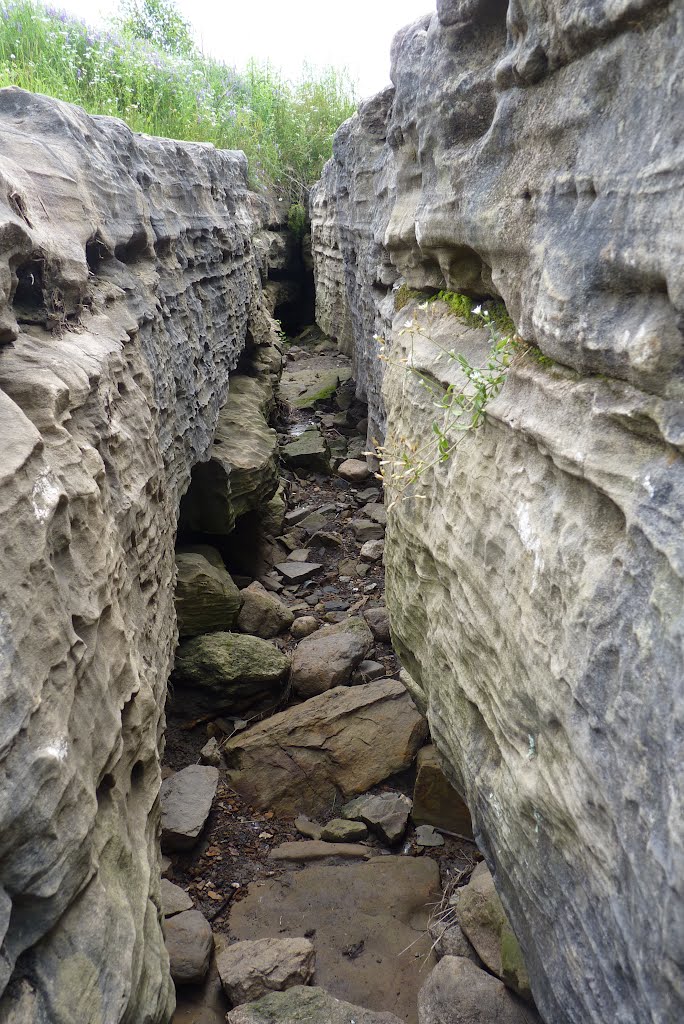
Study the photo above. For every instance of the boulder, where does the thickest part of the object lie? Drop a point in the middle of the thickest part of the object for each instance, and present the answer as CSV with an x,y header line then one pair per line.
x,y
250,970
263,614
483,921
459,992
299,1005
309,451
174,899
329,657
354,471
435,801
189,942
385,814
370,920
206,597
228,672
326,749
186,799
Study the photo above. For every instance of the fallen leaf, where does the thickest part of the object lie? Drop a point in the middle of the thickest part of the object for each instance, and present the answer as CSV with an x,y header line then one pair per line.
x,y
265,835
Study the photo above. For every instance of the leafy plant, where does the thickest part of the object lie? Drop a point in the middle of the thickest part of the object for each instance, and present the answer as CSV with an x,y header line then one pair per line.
x,y
145,70
462,406
297,219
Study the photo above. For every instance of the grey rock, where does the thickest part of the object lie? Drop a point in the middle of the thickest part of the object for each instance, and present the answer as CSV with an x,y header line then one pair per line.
x,y
366,529
305,827
386,814
354,471
250,970
367,671
189,942
303,626
186,799
174,899
295,515
263,614
309,451
299,555
435,801
427,836
459,992
329,657
376,511
378,620
298,572
211,753
340,831
306,1004
372,550
449,940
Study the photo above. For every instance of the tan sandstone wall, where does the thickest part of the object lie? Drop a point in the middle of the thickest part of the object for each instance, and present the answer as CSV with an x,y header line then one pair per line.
x,y
129,286
533,153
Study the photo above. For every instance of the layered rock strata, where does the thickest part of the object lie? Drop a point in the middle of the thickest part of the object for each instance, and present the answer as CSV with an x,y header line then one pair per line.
x,y
535,583
129,286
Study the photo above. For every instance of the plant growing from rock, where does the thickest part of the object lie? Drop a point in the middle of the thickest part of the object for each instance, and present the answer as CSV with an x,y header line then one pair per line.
x,y
462,405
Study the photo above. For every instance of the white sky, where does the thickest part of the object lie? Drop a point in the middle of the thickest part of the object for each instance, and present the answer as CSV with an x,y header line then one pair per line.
x,y
355,34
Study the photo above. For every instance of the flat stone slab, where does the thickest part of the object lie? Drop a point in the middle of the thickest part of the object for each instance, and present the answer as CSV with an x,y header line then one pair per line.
x,y
365,917
186,799
298,572
315,849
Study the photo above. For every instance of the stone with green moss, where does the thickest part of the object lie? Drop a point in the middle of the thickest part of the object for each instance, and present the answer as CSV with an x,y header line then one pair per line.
x,y
226,672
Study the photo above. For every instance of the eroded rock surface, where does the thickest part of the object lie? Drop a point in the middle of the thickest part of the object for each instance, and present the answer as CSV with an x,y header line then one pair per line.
x,y
535,588
128,289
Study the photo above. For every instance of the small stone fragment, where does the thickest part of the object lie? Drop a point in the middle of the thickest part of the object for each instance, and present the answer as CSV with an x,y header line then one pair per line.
x,y
249,970
308,828
299,555
211,753
186,799
304,626
427,836
373,550
367,672
386,814
340,831
378,620
189,942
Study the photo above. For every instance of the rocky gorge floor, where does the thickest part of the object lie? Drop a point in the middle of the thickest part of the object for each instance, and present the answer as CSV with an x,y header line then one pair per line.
x,y
309,835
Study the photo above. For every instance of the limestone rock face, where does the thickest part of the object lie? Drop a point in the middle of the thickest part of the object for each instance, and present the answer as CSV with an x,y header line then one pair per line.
x,y
535,588
128,288
330,747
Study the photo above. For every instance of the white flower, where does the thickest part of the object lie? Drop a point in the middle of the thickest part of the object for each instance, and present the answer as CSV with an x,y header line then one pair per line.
x,y
477,310
409,323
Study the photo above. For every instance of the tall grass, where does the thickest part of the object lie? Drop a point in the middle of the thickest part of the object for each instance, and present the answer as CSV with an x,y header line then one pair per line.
x,y
285,129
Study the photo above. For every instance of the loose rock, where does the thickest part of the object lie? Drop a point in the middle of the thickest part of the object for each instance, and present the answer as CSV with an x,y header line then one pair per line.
x,y
458,992
300,1005
174,899
328,748
309,451
386,814
250,970
340,831
262,614
310,829
366,529
186,799
189,942
373,550
367,672
435,801
211,753
428,837
298,572
304,626
228,671
328,658
354,471
316,849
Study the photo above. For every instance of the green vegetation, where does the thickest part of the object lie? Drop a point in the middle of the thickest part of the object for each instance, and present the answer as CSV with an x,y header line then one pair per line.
x,y
404,295
146,70
297,219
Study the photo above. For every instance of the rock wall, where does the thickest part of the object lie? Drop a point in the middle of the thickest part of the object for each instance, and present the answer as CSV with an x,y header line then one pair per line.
x,y
129,286
532,153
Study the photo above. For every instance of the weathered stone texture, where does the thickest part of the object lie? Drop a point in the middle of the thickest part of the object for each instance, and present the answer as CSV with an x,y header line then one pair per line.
x,y
127,289
535,591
